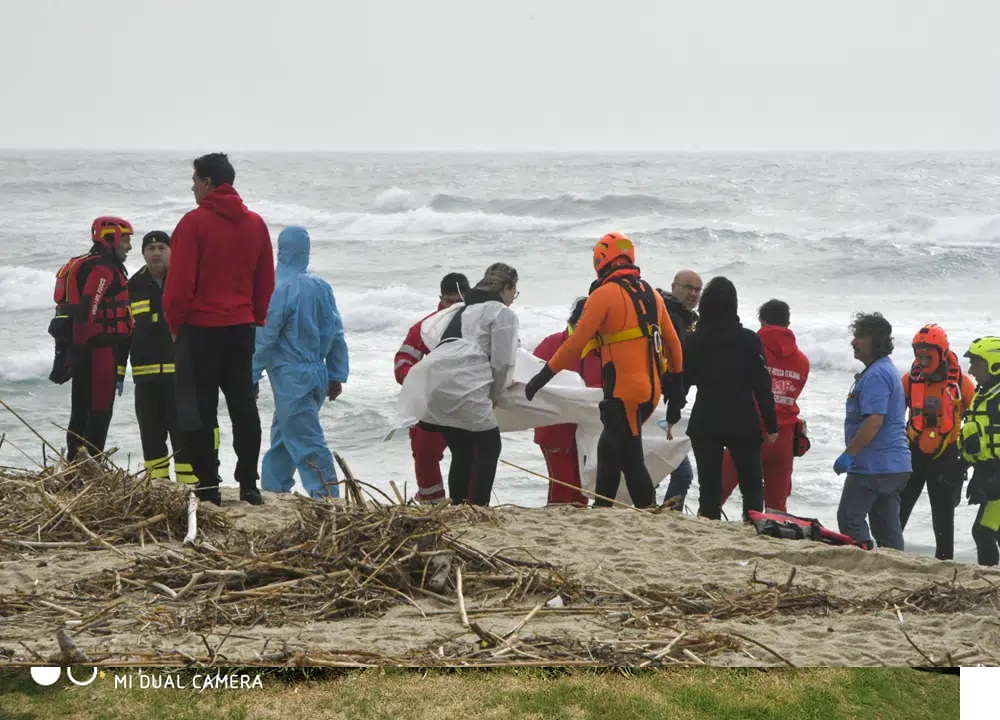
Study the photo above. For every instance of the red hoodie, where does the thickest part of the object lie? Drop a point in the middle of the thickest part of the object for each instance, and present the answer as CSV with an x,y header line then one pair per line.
x,y
564,436
221,265
789,370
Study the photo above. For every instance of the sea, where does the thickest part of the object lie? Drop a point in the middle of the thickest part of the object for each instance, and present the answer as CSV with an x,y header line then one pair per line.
x,y
914,236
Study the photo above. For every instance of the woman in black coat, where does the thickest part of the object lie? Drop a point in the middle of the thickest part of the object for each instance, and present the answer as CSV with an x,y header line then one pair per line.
x,y
726,362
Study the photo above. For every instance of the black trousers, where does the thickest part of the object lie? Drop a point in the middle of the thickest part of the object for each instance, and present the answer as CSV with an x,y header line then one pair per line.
x,y
746,457
944,482
207,360
474,458
156,411
92,399
619,452
987,540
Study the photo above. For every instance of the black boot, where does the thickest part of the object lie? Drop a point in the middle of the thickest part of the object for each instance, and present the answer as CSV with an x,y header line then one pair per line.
x,y
209,494
251,495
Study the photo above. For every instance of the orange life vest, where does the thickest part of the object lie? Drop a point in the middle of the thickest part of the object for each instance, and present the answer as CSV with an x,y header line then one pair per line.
x,y
113,316
935,407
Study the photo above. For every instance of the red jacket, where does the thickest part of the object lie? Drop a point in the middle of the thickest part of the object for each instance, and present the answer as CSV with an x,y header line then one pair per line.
x,y
564,436
221,265
411,351
789,370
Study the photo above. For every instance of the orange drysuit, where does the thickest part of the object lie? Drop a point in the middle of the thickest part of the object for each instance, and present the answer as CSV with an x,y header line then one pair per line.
x,y
627,367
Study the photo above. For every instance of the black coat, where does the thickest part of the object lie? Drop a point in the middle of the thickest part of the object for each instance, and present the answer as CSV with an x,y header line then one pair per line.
x,y
682,319
726,362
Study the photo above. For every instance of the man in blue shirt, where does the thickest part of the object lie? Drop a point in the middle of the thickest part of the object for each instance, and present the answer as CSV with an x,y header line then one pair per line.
x,y
877,457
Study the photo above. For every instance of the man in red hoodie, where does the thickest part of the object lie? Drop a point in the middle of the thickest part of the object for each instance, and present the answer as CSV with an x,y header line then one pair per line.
x,y
789,370
558,442
428,447
217,293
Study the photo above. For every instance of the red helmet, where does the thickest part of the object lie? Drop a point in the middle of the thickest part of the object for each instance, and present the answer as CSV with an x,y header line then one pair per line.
x,y
107,230
611,247
932,337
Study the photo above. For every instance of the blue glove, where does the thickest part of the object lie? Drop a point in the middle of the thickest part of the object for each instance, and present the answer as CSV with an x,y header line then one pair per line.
x,y
843,463
121,386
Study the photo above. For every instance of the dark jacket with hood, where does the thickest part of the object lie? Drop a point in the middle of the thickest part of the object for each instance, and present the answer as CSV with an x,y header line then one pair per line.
x,y
726,362
683,319
221,265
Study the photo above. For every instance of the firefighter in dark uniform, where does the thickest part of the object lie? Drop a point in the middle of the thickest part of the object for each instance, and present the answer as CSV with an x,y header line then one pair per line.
x,y
91,327
152,355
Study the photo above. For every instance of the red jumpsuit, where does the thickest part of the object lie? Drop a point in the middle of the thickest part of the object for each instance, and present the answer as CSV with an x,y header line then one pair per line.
x,y
558,442
789,370
428,447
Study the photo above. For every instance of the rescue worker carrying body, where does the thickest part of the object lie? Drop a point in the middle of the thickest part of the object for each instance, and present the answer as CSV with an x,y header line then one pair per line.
x,y
558,442
468,370
427,445
980,446
640,360
681,302
151,351
937,393
302,347
91,324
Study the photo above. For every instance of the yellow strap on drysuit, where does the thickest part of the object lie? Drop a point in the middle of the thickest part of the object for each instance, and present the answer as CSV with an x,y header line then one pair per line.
x,y
617,337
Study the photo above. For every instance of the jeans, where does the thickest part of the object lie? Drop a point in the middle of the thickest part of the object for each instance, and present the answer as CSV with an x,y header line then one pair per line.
x,y
680,479
874,499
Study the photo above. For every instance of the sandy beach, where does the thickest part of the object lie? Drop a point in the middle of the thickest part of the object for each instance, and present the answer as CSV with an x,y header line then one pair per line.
x,y
633,588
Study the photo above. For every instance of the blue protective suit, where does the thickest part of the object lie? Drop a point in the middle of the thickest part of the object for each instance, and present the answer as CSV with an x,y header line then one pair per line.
x,y
302,348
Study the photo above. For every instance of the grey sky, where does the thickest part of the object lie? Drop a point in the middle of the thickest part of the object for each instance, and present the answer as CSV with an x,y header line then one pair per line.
x,y
499,74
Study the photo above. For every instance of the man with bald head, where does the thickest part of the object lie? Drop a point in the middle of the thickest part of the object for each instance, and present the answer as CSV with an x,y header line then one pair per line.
x,y
685,292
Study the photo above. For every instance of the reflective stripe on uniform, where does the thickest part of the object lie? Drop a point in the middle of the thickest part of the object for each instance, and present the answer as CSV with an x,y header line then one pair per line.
x,y
185,473
158,467
151,369
121,370
401,363
425,492
139,307
216,438
411,351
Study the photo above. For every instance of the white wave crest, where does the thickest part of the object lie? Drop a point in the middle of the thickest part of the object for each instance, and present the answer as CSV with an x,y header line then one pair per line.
x,y
24,288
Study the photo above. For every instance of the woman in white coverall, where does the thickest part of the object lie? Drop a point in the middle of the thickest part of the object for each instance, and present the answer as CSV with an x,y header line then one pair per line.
x,y
466,373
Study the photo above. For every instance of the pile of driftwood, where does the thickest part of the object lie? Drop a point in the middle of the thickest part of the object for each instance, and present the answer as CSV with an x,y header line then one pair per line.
x,y
360,557
91,502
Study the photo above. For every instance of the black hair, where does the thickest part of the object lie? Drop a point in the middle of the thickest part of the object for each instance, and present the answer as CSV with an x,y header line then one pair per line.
x,y
577,311
718,302
455,282
876,327
216,168
775,312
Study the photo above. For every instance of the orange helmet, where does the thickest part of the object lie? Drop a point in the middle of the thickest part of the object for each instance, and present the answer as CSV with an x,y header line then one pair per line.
x,y
611,247
108,230
932,337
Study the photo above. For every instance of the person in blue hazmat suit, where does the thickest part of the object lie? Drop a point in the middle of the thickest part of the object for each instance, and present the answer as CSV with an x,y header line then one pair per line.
x,y
303,350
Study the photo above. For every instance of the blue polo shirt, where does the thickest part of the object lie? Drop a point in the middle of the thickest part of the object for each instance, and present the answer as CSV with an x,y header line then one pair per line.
x,y
879,391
